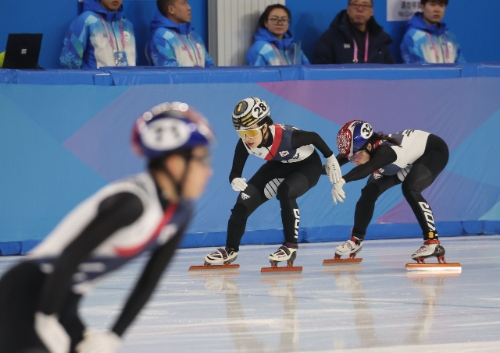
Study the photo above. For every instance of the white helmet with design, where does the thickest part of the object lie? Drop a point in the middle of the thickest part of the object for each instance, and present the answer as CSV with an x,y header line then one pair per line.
x,y
250,111
169,127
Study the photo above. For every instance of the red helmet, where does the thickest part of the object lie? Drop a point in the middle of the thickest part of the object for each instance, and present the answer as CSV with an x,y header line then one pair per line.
x,y
353,136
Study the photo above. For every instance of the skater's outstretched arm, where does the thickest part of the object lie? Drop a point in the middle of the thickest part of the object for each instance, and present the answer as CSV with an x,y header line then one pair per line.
x,y
303,138
239,160
332,167
383,156
147,282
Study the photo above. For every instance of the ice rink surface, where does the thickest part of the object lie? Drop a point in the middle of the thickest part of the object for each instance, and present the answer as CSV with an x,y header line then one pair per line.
x,y
375,306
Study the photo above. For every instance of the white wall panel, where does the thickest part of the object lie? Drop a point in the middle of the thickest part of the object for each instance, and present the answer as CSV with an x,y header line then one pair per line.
x,y
231,27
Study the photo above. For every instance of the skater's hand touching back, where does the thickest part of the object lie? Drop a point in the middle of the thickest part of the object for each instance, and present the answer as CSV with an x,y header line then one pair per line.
x,y
238,184
338,194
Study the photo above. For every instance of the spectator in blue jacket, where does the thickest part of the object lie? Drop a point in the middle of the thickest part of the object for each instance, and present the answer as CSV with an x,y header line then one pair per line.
x,y
100,36
172,41
427,39
354,37
274,44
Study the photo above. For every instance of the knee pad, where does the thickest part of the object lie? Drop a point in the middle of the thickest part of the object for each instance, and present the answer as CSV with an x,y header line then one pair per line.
x,y
248,201
410,189
239,212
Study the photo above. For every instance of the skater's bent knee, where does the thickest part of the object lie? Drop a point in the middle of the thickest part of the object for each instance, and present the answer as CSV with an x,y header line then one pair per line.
x,y
370,192
411,190
282,192
239,211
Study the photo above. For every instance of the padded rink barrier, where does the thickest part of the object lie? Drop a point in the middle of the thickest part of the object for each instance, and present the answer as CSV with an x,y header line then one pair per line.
x,y
66,133
117,76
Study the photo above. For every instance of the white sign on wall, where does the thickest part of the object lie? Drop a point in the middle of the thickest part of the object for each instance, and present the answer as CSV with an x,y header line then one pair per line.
x,y
401,10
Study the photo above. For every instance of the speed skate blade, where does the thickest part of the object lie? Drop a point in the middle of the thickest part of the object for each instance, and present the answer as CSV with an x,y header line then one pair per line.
x,y
281,269
342,261
214,267
436,267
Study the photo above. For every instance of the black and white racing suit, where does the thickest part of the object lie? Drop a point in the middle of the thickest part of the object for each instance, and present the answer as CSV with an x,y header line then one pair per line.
x,y
415,164
293,167
120,222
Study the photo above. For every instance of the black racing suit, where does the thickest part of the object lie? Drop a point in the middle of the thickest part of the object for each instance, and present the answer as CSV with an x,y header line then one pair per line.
x,y
415,179
120,222
286,180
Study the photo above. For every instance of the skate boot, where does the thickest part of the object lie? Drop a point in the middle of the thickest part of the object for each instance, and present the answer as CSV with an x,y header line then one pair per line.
x,y
224,255
429,249
350,247
287,252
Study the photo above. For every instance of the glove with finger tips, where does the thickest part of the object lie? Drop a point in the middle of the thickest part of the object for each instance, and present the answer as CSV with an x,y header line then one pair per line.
x,y
238,184
332,169
338,194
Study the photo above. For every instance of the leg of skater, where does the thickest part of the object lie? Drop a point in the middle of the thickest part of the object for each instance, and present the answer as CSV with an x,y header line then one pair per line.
x,y
258,191
19,294
248,201
422,174
305,177
290,216
364,213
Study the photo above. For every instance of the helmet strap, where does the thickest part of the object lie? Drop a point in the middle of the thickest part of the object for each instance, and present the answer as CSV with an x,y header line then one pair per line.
x,y
177,185
265,136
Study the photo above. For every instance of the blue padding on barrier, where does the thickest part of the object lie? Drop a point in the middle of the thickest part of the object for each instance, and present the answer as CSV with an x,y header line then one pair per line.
x,y
492,227
160,75
470,70
307,235
473,227
10,248
341,233
103,79
17,247
380,72
325,234
291,73
7,76
489,70
121,76
56,77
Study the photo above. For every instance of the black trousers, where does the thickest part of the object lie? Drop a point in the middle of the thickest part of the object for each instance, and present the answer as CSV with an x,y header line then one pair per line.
x,y
422,174
286,181
20,289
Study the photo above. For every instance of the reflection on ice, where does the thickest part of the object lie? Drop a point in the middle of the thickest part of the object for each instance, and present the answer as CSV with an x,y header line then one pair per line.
x,y
375,306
